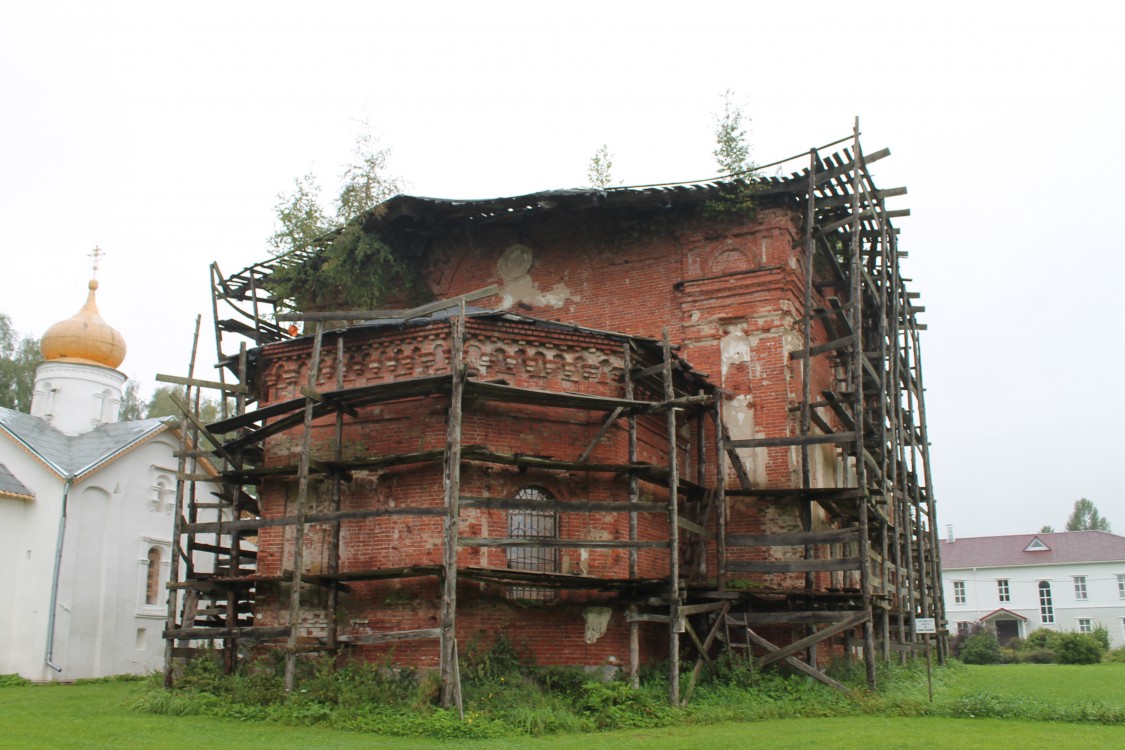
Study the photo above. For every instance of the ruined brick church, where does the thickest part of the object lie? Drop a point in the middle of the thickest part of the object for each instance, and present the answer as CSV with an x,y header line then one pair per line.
x,y
637,425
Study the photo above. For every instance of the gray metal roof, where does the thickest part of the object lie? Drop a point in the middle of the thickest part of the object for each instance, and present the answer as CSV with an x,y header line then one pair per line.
x,y
73,455
1004,551
11,486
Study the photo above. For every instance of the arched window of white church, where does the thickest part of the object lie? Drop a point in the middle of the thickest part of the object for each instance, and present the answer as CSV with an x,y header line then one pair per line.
x,y
1046,603
152,581
536,524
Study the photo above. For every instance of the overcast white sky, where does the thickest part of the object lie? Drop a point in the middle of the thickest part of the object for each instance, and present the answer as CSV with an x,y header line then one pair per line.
x,y
165,134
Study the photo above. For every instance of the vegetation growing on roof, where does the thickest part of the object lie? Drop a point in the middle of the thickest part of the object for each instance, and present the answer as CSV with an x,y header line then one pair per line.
x,y
338,259
732,155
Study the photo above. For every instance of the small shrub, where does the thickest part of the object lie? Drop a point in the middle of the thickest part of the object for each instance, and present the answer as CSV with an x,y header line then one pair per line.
x,y
1037,656
13,680
1041,638
981,648
1101,635
1078,648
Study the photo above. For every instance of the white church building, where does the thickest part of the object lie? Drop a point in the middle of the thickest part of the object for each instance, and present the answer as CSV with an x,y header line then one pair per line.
x,y
86,515
1017,583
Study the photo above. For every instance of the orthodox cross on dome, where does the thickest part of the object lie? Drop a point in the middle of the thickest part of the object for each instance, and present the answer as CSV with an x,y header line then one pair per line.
x,y
96,254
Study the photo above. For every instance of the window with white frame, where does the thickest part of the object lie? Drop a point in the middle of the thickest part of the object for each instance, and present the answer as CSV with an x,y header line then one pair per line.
x,y
1085,625
959,592
963,628
1046,603
1080,587
1121,586
1003,592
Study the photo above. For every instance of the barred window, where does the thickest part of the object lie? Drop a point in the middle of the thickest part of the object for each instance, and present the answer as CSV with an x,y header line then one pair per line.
x,y
537,524
1003,592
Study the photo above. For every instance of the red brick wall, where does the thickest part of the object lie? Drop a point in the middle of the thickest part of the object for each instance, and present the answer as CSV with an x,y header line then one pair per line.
x,y
730,297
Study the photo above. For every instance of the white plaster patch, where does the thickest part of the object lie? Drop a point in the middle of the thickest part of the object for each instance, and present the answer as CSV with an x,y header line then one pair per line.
x,y
524,290
734,348
597,621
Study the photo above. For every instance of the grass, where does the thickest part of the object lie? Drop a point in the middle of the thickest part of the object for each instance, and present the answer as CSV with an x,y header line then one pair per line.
x,y
1056,683
92,717
1058,697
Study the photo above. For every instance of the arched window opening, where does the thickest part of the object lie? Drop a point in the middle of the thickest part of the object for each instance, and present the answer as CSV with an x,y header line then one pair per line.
x,y
1046,604
535,524
152,582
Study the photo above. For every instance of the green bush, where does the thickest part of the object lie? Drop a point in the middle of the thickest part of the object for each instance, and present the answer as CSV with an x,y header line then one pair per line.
x,y
13,680
980,648
1078,648
1041,638
1037,656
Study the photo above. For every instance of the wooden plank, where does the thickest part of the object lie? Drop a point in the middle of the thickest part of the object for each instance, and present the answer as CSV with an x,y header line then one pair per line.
x,y
335,403
833,345
414,312
203,634
197,383
795,618
607,423
393,637
793,566
781,442
480,390
797,538
693,527
248,524
562,506
697,609
809,640
471,541
639,617
796,663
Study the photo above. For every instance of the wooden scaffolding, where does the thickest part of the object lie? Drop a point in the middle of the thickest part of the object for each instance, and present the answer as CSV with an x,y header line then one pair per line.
x,y
866,577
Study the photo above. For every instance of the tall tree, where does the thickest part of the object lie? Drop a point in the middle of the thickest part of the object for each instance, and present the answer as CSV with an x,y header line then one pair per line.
x,y
1085,517
1048,529
340,261
732,152
132,408
600,169
19,356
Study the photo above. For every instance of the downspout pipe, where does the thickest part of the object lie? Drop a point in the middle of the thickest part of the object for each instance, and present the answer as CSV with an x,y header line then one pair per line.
x,y
55,578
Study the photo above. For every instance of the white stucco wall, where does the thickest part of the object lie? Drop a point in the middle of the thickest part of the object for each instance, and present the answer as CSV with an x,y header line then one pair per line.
x,y
75,398
1104,603
103,625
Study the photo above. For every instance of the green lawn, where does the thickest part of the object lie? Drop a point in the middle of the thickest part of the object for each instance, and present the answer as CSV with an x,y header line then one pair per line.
x,y
97,716
1057,683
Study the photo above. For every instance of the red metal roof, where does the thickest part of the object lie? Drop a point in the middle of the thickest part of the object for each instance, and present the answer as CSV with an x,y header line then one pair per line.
x,y
1002,551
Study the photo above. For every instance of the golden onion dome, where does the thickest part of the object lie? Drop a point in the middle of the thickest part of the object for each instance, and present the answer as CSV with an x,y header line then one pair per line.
x,y
85,338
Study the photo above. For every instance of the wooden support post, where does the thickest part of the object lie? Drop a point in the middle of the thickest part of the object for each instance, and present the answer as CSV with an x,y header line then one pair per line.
x,y
334,527
634,647
301,513
856,271
450,671
720,496
673,535
177,522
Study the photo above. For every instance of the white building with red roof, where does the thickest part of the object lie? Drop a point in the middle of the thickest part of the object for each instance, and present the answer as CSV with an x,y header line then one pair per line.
x,y
1066,581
